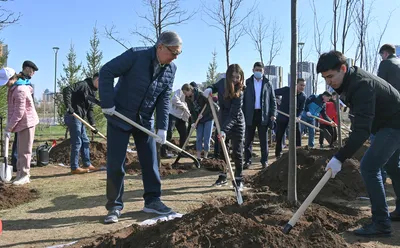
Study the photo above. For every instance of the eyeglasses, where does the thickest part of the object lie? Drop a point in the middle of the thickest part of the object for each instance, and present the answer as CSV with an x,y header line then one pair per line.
x,y
176,53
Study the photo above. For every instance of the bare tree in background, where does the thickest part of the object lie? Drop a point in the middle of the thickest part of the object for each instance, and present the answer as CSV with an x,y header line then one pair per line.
x,y
335,23
275,43
224,17
348,20
162,14
362,20
7,17
258,33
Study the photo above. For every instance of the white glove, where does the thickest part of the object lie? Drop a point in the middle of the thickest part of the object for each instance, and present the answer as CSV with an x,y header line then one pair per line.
x,y
162,136
7,135
298,119
200,116
109,111
309,114
335,165
222,135
194,125
207,92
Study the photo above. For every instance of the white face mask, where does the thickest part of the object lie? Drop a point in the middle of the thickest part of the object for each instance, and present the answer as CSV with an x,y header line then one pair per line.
x,y
258,74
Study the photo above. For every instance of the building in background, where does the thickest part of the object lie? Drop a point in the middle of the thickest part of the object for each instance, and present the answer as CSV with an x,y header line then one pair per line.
x,y
48,96
274,75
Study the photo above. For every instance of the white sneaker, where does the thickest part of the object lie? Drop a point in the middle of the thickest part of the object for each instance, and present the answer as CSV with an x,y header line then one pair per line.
x,y
21,181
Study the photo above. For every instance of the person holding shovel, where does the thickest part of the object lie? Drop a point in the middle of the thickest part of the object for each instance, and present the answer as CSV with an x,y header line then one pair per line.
x,y
22,119
332,114
375,105
230,98
196,102
145,84
77,99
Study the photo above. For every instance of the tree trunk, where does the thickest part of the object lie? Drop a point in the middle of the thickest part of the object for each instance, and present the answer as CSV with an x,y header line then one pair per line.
x,y
292,191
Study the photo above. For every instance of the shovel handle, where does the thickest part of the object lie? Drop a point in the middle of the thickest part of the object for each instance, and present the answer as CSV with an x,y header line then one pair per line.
x,y
88,125
325,121
6,144
303,122
307,202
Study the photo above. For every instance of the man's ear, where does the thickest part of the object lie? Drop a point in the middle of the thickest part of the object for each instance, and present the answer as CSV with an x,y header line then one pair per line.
x,y
343,68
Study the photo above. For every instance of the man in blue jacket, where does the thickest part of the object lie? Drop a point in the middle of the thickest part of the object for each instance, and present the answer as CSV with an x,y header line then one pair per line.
x,y
259,108
314,106
144,84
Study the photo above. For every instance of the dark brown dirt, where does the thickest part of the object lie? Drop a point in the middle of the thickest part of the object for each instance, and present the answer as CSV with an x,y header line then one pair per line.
x,y
12,196
213,164
166,169
98,154
347,184
222,223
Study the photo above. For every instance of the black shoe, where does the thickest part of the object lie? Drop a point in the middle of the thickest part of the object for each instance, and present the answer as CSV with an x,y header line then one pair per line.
x,y
264,165
112,216
373,230
221,181
394,216
246,165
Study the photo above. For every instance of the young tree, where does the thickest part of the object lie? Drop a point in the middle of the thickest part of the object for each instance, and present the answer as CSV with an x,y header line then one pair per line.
x,y
3,90
72,75
161,15
225,18
212,70
258,32
7,17
275,43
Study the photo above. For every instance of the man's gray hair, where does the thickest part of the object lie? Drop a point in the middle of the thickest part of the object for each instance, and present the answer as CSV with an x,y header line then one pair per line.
x,y
169,38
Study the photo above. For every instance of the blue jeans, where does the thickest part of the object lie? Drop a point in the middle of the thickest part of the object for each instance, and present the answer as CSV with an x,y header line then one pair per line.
x,y
203,135
311,131
79,142
383,171
117,142
384,151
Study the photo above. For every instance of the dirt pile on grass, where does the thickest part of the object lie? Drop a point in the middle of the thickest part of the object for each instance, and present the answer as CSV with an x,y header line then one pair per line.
x,y
213,164
12,196
166,169
98,154
348,184
222,223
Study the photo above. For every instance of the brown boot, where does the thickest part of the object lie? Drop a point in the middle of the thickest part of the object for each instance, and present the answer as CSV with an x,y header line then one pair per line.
x,y
79,171
91,168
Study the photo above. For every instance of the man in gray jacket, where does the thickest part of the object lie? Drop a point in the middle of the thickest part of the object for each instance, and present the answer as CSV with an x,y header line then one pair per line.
x,y
389,68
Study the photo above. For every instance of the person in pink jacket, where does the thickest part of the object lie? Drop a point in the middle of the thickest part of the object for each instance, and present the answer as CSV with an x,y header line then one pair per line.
x,y
22,119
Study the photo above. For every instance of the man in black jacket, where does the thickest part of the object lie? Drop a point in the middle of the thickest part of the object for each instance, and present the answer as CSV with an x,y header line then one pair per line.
x,y
77,99
375,105
259,108
389,68
283,121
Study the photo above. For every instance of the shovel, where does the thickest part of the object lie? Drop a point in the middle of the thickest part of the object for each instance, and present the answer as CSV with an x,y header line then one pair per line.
x,y
226,154
192,128
150,133
326,133
5,169
307,202
89,126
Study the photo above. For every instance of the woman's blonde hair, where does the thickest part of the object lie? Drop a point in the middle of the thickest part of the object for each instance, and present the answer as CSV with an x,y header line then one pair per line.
x,y
231,90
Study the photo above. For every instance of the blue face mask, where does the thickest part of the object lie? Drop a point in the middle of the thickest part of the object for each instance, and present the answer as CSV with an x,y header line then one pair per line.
x,y
258,74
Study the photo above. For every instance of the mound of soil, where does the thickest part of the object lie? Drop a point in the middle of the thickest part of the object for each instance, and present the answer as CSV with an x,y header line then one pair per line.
x,y
348,183
98,154
11,196
222,223
166,169
213,164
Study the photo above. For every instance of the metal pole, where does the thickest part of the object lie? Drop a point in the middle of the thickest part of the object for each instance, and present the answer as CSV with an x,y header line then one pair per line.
x,y
55,81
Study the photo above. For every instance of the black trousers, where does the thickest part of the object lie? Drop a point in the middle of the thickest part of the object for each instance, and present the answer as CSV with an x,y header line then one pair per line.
x,y
180,126
281,129
262,135
331,130
237,143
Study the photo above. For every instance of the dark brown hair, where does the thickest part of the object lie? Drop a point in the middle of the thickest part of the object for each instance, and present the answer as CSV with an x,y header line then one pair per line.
x,y
232,91
388,48
187,87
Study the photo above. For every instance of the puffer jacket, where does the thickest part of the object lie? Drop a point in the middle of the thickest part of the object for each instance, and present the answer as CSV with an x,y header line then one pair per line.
x,y
139,90
178,106
21,109
231,116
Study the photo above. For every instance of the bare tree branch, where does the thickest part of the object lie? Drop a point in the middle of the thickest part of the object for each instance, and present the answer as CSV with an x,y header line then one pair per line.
x,y
111,34
258,33
8,17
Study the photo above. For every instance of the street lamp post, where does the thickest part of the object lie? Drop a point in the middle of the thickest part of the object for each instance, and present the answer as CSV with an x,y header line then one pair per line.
x,y
301,45
55,49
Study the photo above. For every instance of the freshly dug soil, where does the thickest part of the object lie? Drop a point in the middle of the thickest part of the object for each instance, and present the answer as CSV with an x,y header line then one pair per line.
x,y
223,223
98,154
12,196
213,164
348,183
166,169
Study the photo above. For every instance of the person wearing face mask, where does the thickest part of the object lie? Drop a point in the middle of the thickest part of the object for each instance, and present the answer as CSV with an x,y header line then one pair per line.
x,y
231,118
259,108
22,119
28,70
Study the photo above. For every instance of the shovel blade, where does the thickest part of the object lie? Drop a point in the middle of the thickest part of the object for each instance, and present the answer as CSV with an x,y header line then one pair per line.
x,y
239,197
5,172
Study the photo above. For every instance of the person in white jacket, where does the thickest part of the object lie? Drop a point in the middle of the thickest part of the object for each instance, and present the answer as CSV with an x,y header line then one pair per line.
x,y
178,117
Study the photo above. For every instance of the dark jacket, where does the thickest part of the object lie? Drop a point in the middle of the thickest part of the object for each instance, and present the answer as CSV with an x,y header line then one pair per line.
x,y
231,116
316,106
389,70
375,104
268,103
196,103
138,91
77,99
285,102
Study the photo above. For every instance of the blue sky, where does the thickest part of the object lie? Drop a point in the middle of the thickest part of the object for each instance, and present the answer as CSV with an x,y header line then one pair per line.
x,y
48,23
